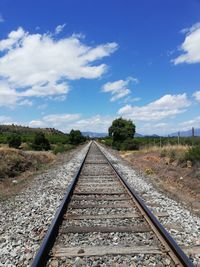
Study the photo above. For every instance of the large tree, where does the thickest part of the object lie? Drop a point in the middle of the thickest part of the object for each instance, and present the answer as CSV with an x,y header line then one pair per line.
x,y
76,137
121,130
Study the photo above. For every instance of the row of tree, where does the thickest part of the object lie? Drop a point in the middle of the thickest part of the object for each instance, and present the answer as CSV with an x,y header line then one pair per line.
x,y
40,142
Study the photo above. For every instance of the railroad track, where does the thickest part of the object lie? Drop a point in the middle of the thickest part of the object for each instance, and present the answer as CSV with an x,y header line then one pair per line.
x,y
102,222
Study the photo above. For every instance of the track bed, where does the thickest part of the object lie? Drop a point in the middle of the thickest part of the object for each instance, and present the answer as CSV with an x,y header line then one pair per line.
x,y
104,225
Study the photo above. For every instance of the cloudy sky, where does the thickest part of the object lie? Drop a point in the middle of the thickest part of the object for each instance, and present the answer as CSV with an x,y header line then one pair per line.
x,y
80,64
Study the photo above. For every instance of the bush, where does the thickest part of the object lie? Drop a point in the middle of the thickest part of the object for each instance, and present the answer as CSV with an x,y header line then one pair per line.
x,y
172,155
130,144
107,141
193,154
62,148
40,142
14,140
163,153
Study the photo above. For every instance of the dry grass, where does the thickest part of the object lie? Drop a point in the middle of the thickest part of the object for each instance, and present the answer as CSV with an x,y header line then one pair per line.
x,y
13,162
17,168
168,148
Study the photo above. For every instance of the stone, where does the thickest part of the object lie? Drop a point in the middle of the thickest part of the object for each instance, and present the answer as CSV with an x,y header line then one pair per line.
x,y
54,263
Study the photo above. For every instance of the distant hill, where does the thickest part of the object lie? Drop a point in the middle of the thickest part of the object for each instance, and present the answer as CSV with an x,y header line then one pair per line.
x,y
27,130
138,135
187,133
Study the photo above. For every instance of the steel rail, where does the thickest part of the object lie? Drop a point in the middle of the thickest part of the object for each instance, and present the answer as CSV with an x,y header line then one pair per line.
x,y
181,256
42,255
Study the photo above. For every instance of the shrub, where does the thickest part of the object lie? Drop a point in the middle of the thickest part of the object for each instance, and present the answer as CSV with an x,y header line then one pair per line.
x,y
193,154
40,142
108,141
130,144
59,149
149,171
172,155
14,140
62,148
163,153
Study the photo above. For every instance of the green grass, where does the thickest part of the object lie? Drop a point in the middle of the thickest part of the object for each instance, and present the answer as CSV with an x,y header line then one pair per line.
x,y
62,148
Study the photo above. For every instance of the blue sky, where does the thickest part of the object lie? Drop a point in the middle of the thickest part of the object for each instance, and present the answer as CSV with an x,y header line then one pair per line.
x,y
81,64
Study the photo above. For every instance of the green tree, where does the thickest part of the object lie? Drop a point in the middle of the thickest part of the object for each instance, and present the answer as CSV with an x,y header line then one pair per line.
x,y
121,130
76,137
14,140
40,142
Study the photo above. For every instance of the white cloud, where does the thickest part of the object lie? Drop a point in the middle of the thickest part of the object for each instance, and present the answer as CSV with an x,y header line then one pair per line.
x,y
66,122
118,89
59,28
25,102
190,123
37,65
131,99
42,106
54,120
47,89
4,119
196,95
155,128
190,47
37,123
166,106
95,123
8,96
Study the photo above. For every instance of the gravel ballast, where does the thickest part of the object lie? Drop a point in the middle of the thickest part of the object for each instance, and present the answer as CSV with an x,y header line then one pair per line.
x,y
25,218
189,224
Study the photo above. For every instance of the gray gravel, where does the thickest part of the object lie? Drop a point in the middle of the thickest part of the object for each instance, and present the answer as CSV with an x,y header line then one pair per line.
x,y
25,218
189,224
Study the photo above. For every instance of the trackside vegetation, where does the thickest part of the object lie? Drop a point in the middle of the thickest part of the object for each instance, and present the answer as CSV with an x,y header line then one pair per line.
x,y
121,137
39,139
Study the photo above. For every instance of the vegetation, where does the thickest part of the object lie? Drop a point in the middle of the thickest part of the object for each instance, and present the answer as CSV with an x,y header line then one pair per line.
x,y
193,154
40,142
130,144
14,140
122,132
62,148
39,138
13,162
76,138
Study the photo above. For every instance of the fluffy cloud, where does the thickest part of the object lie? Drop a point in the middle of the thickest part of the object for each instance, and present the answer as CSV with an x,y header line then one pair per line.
x,y
66,122
197,95
54,120
8,96
190,47
118,89
95,123
166,106
38,65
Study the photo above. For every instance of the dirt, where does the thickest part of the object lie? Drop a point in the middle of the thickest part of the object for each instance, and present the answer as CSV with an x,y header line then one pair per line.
x,y
11,185
180,183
